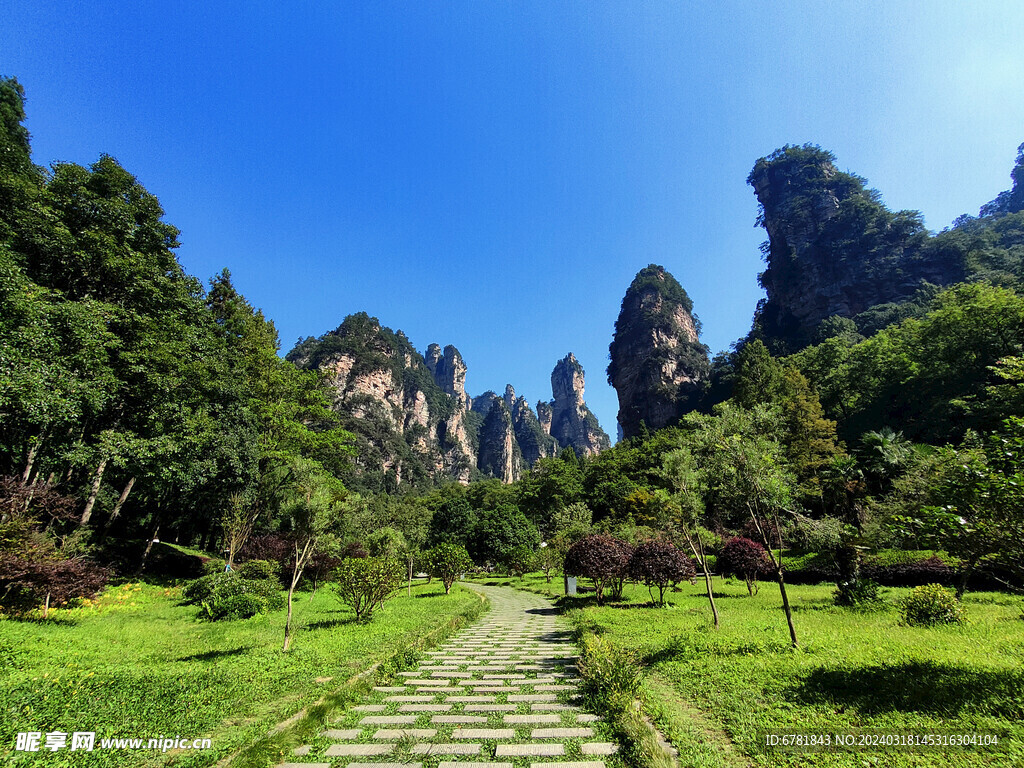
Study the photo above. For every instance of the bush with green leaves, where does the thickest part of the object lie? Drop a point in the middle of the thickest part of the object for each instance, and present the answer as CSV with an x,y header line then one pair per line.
x,y
228,595
364,583
932,604
858,593
610,674
260,570
519,561
448,561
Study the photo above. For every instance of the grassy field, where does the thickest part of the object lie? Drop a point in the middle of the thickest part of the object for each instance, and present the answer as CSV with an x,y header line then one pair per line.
x,y
715,694
138,663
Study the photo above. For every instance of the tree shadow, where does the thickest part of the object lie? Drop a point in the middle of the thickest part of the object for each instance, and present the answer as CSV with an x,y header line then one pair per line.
x,y
331,623
211,655
917,686
676,651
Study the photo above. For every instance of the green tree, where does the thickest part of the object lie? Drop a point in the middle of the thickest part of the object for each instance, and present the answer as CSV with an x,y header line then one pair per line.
x,y
501,531
747,471
448,561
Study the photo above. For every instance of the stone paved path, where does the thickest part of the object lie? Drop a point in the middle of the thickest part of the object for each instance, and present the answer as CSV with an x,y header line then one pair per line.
x,y
499,694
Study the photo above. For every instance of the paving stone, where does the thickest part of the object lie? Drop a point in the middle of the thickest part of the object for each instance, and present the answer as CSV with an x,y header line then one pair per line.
x,y
533,697
347,750
529,750
348,733
504,677
410,699
447,749
312,765
496,689
555,688
457,719
471,699
599,748
302,751
398,733
388,720
447,673
491,708
389,688
424,707
428,681
586,717
532,719
561,733
484,733
370,708
547,706
385,765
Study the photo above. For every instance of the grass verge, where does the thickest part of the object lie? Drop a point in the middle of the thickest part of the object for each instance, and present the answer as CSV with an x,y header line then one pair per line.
x,y
717,693
138,663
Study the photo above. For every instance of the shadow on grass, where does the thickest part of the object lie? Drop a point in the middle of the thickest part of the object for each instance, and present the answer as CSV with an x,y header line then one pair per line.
x,y
683,648
917,686
331,623
211,655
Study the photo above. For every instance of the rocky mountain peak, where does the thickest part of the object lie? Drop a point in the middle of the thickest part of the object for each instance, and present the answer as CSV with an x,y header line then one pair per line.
x,y
657,360
833,248
568,419
448,370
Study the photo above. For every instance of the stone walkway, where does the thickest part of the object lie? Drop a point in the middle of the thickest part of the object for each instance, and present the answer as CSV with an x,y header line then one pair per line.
x,y
499,694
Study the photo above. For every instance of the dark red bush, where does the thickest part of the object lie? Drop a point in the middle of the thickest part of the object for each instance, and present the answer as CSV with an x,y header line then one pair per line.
x,y
25,581
744,559
602,558
658,564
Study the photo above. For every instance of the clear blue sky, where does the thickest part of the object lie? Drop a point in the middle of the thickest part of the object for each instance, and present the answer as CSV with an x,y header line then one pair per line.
x,y
492,175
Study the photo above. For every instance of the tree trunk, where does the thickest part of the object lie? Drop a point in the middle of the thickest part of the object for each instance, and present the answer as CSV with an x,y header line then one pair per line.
x,y
149,546
300,563
786,608
698,552
711,595
116,512
33,454
965,574
94,491
410,575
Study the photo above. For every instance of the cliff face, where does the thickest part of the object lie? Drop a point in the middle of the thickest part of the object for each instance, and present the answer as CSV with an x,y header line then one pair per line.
x,y
833,248
657,360
414,422
567,418
499,454
408,429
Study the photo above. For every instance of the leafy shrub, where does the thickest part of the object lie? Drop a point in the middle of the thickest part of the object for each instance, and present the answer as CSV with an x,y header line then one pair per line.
x,y
932,604
601,558
610,674
448,561
241,606
658,564
195,592
364,583
857,593
216,594
260,569
518,561
745,559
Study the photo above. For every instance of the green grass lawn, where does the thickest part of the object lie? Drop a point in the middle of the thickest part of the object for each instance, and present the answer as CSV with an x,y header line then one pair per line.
x,y
139,663
713,693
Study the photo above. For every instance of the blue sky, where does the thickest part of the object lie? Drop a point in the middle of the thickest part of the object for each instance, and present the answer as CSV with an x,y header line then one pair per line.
x,y
492,175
